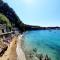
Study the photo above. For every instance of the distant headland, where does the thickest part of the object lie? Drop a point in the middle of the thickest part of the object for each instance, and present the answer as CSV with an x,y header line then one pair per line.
x,y
13,18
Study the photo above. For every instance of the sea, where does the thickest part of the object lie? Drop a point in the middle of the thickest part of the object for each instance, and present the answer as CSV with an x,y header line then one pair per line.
x,y
41,42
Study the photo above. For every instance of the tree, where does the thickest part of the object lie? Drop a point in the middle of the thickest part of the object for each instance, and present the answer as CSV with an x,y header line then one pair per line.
x,y
5,20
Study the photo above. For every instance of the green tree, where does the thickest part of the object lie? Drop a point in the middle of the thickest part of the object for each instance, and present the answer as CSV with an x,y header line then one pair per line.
x,y
5,20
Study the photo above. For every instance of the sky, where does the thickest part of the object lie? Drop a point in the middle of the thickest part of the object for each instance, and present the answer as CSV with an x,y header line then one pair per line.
x,y
37,12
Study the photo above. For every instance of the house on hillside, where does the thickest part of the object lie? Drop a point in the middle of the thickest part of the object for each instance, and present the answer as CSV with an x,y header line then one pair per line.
x,y
5,34
2,28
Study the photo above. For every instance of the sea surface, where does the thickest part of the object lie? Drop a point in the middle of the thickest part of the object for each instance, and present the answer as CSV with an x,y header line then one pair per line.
x,y
45,42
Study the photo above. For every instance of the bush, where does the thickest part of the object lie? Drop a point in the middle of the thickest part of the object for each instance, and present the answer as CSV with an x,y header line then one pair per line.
x,y
5,20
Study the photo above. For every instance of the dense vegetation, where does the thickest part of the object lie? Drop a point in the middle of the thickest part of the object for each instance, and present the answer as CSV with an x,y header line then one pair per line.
x,y
14,19
5,20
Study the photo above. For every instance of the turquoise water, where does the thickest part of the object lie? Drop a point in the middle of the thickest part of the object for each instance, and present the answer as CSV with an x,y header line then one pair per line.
x,y
45,41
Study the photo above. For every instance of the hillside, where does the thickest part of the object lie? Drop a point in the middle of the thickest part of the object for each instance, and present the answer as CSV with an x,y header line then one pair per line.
x,y
5,20
13,18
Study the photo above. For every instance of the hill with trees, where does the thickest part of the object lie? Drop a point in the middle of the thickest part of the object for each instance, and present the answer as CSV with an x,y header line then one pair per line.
x,y
6,10
5,20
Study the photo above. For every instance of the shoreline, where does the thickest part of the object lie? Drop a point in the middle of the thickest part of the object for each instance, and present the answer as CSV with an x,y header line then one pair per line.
x,y
14,50
19,51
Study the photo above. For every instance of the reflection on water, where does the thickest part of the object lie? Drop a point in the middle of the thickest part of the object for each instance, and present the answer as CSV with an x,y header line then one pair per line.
x,y
42,44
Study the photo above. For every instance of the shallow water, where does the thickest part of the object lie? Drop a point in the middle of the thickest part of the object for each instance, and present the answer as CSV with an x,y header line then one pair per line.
x,y
44,42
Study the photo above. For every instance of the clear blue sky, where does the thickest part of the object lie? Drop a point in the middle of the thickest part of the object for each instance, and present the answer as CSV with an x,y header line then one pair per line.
x,y
37,12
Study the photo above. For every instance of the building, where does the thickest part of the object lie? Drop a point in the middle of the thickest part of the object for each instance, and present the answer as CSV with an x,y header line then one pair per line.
x,y
2,28
4,34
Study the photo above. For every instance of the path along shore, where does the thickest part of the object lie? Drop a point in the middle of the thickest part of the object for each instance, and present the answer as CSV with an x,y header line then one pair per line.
x,y
14,51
